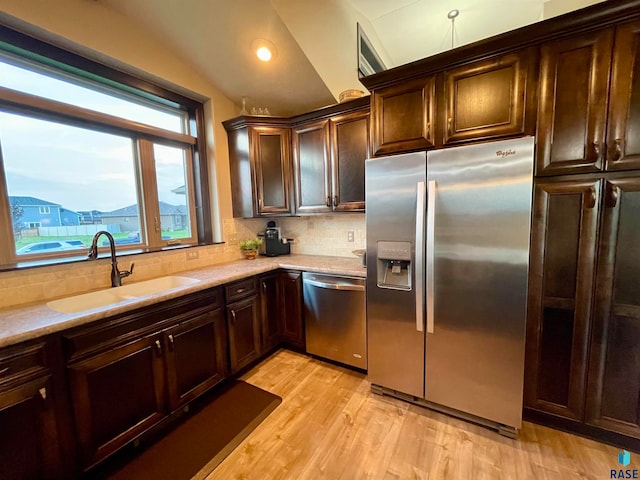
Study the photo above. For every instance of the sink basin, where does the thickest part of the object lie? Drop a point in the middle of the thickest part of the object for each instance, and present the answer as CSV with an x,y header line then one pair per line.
x,y
111,296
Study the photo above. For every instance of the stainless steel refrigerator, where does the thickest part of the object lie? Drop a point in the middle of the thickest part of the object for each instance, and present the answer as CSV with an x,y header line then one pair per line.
x,y
447,265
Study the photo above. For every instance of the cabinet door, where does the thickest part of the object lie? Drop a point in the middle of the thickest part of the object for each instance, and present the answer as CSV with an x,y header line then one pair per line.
x,y
271,157
574,82
291,322
243,319
196,356
270,303
349,150
563,245
614,374
486,99
623,137
402,116
116,396
28,443
312,168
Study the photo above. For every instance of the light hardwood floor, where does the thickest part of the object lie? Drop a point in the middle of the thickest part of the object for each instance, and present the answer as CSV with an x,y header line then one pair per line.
x,y
330,426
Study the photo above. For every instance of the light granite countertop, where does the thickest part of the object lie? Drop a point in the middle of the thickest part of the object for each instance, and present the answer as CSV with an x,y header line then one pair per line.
x,y
32,321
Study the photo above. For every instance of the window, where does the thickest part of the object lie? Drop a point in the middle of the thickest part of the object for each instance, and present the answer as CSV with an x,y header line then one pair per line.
x,y
80,153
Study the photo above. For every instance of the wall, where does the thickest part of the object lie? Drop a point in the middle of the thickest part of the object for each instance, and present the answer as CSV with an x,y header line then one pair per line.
x,y
89,28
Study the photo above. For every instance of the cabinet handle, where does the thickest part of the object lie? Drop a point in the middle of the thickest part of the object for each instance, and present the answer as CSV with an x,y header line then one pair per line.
x,y
170,341
612,195
596,150
233,314
241,290
158,347
449,123
335,200
328,203
264,286
590,198
617,150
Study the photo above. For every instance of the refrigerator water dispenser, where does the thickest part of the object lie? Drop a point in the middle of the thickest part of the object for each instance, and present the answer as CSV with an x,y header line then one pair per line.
x,y
394,265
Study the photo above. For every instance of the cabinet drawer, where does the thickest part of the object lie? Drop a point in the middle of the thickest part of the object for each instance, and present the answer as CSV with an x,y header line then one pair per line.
x,y
20,361
241,289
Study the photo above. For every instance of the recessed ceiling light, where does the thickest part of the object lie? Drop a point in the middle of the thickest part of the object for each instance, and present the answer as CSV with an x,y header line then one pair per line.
x,y
264,54
264,49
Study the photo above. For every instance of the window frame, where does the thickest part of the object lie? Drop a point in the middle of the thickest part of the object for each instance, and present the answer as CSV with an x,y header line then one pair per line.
x,y
81,70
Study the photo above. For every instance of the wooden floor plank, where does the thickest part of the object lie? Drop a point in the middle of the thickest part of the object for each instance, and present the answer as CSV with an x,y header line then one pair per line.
x,y
330,426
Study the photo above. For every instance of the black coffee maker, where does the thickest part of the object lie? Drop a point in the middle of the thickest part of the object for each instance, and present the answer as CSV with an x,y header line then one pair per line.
x,y
273,243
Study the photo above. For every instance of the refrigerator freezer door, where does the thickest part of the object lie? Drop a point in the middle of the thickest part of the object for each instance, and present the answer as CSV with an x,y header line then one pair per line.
x,y
395,344
475,349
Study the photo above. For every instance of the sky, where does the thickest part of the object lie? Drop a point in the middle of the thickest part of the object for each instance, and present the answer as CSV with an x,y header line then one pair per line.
x,y
78,168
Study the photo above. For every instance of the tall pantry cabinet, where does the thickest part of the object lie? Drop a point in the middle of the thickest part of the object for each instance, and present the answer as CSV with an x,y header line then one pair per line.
x,y
583,333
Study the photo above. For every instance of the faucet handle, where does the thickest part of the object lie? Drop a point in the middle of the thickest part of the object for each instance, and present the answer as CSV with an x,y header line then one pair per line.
x,y
126,273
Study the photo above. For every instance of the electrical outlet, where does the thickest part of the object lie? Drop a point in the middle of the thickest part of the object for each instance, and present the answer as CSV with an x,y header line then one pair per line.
x,y
350,236
233,239
192,254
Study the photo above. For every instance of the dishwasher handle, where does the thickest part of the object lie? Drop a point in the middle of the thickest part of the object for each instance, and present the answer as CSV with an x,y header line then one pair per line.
x,y
335,286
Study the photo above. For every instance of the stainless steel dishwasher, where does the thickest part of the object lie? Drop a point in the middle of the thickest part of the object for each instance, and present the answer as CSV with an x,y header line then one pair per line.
x,y
334,316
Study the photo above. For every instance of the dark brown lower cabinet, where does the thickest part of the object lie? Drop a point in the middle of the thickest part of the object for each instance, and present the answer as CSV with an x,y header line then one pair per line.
x,y
291,322
583,363
613,395
131,383
116,396
28,439
270,302
243,317
196,356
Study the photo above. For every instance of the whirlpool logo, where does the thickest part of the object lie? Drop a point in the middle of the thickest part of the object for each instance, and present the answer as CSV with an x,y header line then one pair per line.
x,y
624,459
505,153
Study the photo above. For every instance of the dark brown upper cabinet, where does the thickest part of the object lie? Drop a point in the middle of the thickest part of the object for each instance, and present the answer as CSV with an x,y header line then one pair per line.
x,y
563,247
324,172
312,168
623,137
328,163
349,149
402,116
572,109
260,164
487,99
614,368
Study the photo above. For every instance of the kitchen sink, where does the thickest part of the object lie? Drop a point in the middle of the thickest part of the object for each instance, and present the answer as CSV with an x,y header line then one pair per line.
x,y
111,296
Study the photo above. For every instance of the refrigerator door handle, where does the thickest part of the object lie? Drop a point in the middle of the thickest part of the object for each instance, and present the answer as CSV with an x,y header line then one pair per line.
x,y
430,248
419,248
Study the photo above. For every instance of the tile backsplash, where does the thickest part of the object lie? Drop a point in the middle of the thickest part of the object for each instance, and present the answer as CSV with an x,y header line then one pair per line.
x,y
44,283
313,235
317,235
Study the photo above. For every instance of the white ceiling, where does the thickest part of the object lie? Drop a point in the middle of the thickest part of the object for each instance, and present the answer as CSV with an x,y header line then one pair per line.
x,y
316,39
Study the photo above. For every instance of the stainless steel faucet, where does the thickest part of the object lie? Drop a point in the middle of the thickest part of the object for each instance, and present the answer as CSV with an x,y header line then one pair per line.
x,y
116,275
